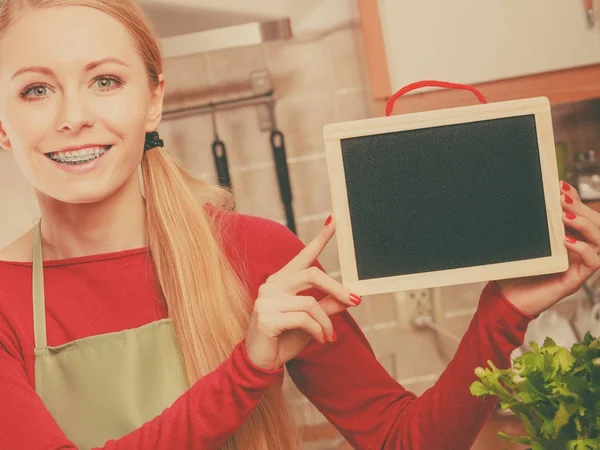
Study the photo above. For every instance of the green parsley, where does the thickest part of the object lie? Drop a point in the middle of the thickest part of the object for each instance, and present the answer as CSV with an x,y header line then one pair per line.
x,y
555,392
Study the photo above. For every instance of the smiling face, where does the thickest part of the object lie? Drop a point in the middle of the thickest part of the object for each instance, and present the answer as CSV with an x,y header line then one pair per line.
x,y
75,102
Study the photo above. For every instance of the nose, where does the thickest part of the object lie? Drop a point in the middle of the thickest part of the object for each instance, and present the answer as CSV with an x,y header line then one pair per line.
x,y
73,114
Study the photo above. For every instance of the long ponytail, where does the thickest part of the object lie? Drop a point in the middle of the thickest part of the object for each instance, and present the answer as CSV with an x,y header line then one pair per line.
x,y
206,299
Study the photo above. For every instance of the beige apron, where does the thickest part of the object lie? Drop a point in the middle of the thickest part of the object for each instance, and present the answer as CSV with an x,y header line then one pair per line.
x,y
103,387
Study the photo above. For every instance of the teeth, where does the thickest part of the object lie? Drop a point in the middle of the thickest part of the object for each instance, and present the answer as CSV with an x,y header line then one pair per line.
x,y
78,156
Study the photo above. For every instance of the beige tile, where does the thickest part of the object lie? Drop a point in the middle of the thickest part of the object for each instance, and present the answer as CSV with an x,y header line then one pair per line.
x,y
229,71
299,68
362,314
461,297
302,120
382,306
418,355
256,193
189,140
415,353
346,54
352,105
310,187
456,327
245,144
186,81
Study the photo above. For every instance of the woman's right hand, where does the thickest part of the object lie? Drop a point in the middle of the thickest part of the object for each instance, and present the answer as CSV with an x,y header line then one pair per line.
x,y
283,322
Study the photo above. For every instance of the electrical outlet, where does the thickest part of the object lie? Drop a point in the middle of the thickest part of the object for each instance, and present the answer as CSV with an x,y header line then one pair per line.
x,y
422,303
417,302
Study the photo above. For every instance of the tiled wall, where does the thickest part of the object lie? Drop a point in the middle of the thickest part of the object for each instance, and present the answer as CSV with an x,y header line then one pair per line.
x,y
317,80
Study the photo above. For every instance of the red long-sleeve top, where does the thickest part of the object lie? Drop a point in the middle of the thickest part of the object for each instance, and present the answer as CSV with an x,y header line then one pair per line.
x,y
111,292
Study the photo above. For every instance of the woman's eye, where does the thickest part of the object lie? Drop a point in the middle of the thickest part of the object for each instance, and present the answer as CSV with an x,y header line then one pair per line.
x,y
35,92
107,83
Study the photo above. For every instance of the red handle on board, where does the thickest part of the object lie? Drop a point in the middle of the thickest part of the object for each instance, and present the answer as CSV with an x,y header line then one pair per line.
x,y
430,83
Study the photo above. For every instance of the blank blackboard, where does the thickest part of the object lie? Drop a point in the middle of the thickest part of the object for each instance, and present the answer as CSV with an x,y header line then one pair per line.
x,y
446,197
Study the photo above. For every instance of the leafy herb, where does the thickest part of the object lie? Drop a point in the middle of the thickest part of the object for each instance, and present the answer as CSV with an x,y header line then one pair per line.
x,y
553,391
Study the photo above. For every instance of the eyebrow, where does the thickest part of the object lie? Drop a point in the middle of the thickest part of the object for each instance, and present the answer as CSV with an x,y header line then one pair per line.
x,y
88,67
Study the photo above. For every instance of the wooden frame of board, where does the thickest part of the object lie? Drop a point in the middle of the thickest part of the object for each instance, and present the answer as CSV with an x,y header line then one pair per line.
x,y
539,107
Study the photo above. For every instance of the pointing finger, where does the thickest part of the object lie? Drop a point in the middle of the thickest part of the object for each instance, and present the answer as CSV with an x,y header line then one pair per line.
x,y
311,252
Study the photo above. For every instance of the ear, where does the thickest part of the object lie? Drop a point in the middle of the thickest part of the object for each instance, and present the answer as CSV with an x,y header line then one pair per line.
x,y
4,142
156,105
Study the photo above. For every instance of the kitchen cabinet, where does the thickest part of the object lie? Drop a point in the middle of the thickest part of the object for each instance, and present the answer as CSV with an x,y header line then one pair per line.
x,y
509,49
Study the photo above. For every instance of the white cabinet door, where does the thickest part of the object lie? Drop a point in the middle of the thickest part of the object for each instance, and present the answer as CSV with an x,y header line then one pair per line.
x,y
474,41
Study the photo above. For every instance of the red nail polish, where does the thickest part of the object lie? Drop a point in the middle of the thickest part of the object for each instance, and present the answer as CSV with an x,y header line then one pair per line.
x,y
568,199
356,299
570,216
328,221
571,240
565,186
324,337
334,336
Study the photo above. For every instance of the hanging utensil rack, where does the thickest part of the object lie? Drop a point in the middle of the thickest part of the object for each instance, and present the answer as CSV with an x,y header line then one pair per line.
x,y
263,99
210,107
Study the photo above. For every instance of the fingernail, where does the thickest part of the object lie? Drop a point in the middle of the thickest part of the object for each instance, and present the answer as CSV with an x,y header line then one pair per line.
x,y
568,199
356,299
328,221
324,337
333,336
570,216
565,186
571,240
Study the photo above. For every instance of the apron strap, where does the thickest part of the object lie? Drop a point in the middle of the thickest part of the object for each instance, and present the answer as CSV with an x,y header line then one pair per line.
x,y
39,303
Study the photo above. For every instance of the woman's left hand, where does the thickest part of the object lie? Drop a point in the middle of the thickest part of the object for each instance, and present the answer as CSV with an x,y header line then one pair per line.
x,y
533,295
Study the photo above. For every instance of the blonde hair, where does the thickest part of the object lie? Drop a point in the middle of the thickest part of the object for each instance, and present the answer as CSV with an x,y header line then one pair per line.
x,y
207,301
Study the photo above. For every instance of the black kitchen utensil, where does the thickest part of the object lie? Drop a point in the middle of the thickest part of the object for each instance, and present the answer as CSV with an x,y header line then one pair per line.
x,y
285,190
220,157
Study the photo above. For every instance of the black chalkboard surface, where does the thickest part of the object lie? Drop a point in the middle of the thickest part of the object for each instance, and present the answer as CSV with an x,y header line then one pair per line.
x,y
446,197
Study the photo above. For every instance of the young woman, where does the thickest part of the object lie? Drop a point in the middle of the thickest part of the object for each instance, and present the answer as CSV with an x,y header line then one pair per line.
x,y
151,317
